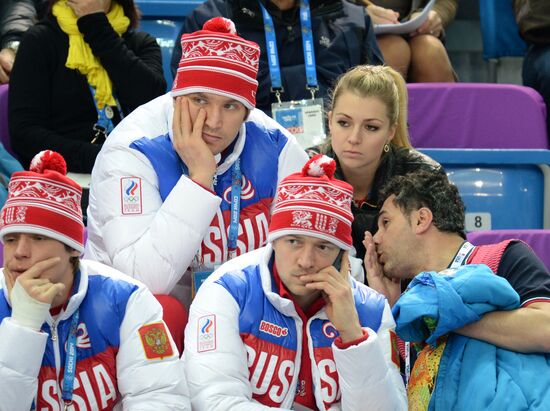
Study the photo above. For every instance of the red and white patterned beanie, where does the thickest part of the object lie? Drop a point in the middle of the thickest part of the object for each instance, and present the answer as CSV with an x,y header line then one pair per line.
x,y
216,60
314,203
44,201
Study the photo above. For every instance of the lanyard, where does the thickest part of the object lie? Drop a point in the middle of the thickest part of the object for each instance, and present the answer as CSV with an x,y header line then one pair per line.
x,y
104,124
407,363
307,45
236,176
70,362
462,254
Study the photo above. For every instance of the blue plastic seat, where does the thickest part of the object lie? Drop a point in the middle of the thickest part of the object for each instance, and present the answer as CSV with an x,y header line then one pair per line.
x,y
163,20
501,189
165,31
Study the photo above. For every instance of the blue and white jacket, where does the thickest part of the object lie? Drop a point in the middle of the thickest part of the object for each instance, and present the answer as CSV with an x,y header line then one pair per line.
x,y
243,346
117,366
147,218
473,374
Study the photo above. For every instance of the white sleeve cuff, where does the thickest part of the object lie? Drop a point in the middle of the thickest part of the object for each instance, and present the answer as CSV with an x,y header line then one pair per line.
x,y
27,311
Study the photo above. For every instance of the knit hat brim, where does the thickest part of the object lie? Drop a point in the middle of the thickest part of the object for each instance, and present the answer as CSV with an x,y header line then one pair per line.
x,y
308,233
40,230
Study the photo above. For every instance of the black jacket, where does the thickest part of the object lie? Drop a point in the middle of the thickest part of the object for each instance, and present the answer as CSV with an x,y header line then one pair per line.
x,y
51,106
343,38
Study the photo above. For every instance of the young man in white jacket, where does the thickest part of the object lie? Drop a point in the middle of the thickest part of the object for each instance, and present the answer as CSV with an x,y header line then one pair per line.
x,y
74,331
165,186
286,326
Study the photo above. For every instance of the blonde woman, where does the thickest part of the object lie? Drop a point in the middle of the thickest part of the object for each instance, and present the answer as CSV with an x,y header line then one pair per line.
x,y
369,139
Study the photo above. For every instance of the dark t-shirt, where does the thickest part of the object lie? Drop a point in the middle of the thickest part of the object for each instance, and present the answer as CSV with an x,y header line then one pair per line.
x,y
525,272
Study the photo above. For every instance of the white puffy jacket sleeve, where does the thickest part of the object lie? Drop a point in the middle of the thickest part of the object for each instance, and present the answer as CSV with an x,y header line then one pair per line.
x,y
379,386
217,379
21,353
148,384
158,245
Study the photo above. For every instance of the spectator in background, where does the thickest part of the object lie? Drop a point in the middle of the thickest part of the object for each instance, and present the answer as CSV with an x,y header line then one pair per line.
x,y
61,316
419,56
533,18
16,17
175,173
342,38
78,72
370,141
286,326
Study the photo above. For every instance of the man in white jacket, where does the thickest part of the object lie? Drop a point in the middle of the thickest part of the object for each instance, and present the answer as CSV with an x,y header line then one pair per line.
x,y
286,326
187,181
74,331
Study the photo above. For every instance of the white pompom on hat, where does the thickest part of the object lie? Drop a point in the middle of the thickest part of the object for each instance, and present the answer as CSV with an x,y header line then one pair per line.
x,y
44,201
314,203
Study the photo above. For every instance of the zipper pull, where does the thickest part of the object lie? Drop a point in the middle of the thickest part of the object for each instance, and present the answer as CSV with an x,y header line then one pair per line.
x,y
54,331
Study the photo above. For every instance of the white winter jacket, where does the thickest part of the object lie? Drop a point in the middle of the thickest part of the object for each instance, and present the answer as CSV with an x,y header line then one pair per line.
x,y
243,347
126,358
153,232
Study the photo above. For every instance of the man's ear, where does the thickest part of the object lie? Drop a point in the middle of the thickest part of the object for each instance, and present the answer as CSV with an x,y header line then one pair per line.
x,y
423,218
74,253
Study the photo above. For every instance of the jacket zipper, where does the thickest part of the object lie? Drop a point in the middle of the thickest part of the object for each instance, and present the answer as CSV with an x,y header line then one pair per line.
x,y
54,330
55,344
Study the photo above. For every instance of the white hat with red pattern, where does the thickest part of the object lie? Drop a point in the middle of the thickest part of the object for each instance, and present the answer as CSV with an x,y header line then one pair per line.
x,y
44,201
314,203
216,60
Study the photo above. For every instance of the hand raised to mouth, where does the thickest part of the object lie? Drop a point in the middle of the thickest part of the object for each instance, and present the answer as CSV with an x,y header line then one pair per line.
x,y
40,289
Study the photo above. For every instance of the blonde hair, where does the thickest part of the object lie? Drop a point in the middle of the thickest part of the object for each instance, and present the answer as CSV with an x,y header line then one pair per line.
x,y
384,83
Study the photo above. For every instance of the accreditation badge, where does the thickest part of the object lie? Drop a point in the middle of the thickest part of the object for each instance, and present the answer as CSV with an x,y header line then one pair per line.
x,y
303,118
199,277
200,273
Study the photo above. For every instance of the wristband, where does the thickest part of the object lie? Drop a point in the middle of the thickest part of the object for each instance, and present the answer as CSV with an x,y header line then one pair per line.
x,y
27,311
342,345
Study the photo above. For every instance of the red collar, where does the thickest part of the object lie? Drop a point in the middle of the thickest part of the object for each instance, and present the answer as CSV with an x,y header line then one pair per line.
x,y
56,310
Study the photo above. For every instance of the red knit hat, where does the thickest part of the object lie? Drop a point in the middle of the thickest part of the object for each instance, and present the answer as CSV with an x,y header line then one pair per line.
x,y
216,60
44,201
314,203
